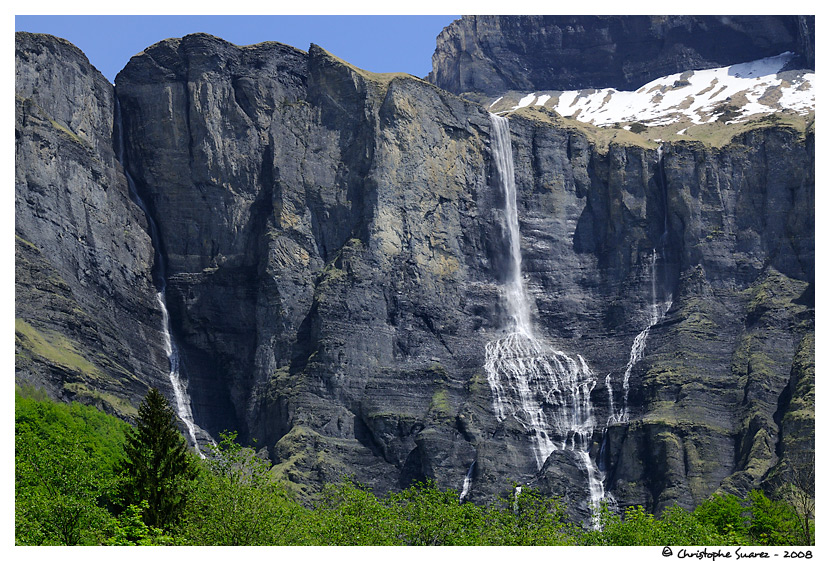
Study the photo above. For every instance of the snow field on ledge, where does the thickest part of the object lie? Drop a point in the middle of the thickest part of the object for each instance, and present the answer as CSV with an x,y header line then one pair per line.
x,y
696,97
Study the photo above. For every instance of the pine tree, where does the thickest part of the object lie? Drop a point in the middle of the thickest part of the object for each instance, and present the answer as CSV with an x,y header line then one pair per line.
x,y
157,462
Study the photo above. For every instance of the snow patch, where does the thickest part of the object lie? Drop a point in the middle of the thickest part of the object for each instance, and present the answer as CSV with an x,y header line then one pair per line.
x,y
525,101
731,93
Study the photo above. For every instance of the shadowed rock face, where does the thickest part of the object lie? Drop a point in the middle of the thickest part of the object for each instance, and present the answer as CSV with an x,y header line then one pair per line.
x,y
494,54
336,247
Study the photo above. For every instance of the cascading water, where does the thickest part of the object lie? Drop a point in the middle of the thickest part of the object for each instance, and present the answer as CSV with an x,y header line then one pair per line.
x,y
179,385
545,390
658,312
160,277
468,482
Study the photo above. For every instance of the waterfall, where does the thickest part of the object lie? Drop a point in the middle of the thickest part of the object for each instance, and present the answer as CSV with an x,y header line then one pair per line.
x,y
658,309
468,481
183,408
545,390
515,293
179,385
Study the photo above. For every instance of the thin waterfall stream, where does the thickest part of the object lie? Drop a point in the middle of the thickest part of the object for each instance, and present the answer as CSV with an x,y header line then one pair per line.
x,y
638,347
183,408
658,308
546,391
468,482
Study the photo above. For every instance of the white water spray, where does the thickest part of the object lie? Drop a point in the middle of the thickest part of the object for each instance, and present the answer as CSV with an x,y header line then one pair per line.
x,y
545,390
468,482
179,385
183,407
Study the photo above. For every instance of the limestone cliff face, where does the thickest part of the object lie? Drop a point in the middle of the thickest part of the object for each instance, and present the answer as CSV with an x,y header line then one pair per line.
x,y
86,317
320,225
336,247
494,54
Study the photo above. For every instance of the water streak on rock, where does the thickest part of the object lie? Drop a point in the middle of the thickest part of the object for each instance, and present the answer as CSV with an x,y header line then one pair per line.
x,y
468,482
657,313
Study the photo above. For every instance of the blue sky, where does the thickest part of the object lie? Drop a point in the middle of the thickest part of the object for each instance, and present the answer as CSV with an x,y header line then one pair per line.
x,y
376,43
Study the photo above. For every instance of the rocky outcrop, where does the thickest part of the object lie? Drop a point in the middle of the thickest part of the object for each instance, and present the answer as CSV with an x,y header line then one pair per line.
x,y
335,264
336,249
494,54
87,324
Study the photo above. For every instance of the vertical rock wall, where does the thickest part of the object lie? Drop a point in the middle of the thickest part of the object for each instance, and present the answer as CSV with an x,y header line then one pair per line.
x,y
87,326
493,54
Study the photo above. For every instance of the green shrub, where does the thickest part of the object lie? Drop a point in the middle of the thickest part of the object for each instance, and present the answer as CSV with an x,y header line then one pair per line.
x,y
64,479
235,500
773,522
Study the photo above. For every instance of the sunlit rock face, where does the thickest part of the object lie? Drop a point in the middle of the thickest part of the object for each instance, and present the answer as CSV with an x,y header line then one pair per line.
x,y
87,324
340,255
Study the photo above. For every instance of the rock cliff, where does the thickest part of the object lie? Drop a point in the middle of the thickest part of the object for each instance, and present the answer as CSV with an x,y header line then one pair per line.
x,y
494,54
87,325
336,248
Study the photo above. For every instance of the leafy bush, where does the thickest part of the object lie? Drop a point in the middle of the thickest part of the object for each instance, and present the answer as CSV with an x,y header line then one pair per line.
x,y
726,514
66,474
235,500
64,479
773,522
530,518
129,529
349,514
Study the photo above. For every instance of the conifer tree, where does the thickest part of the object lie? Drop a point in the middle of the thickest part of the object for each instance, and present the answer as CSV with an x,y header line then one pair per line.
x,y
157,462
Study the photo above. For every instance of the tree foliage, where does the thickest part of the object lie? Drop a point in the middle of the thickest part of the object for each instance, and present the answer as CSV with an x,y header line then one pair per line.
x,y
773,522
236,500
67,473
64,455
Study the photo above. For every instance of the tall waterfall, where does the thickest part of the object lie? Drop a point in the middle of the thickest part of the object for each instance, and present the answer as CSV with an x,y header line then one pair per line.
x,y
183,408
544,389
179,385
515,294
